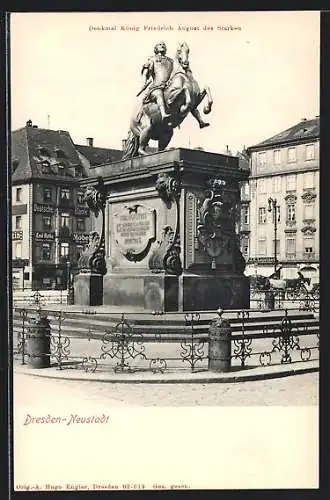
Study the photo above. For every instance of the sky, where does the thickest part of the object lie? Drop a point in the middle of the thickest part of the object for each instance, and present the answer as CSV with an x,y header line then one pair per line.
x,y
67,75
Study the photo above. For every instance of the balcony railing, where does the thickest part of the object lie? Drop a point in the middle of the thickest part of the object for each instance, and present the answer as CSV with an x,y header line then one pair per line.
x,y
297,257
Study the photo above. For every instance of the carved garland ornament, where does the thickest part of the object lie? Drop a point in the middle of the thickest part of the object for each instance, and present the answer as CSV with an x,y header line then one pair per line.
x,y
92,259
166,256
168,188
308,197
213,230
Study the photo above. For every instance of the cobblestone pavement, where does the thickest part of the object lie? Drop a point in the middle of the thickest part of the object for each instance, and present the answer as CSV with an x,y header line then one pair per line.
x,y
293,390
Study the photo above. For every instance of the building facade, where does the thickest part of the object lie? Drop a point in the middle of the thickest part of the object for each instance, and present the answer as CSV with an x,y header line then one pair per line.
x,y
282,198
50,220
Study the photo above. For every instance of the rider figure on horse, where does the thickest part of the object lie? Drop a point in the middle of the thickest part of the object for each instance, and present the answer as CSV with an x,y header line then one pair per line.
x,y
159,67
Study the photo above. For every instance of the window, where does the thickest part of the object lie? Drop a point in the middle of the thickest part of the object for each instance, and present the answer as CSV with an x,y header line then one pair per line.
x,y
78,172
291,183
45,167
310,152
80,197
245,247
291,155
47,194
60,169
246,189
278,247
278,214
262,247
65,194
45,251
309,245
245,214
291,212
277,184
309,211
18,194
262,215
60,153
308,180
47,221
262,185
277,156
64,250
18,223
18,250
262,159
80,224
65,220
290,245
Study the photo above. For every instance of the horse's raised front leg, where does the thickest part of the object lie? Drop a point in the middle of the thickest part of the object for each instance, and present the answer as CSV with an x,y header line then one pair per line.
x,y
196,114
208,105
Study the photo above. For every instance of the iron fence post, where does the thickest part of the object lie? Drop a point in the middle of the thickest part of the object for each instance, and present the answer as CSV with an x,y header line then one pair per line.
x,y
219,344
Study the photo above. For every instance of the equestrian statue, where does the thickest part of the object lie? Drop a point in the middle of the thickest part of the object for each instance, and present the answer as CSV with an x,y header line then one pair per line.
x,y
171,94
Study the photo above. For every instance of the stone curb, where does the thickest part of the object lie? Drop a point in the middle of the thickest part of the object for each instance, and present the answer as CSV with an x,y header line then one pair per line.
x,y
246,375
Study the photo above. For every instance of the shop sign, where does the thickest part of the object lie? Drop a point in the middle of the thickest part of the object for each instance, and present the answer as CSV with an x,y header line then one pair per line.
x,y
17,235
81,237
43,208
44,236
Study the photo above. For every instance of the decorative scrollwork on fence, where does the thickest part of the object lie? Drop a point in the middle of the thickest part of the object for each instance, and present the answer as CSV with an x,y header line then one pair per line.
x,y
37,299
89,364
305,354
59,344
21,336
122,343
286,341
158,365
265,358
192,350
242,347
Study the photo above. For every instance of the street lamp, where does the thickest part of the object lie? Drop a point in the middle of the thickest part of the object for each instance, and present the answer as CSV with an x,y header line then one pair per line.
x,y
68,264
272,207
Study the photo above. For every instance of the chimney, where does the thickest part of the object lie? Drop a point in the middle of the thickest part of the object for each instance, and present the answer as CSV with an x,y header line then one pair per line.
x,y
304,119
123,144
29,123
90,141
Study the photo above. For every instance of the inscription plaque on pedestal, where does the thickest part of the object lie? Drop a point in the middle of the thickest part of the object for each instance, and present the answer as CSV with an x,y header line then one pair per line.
x,y
134,231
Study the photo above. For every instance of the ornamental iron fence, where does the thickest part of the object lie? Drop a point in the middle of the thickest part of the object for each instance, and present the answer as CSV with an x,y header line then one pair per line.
x,y
92,341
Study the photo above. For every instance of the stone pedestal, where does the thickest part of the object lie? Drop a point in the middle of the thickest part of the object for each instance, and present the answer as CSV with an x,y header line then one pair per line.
x,y
88,289
150,292
170,242
214,291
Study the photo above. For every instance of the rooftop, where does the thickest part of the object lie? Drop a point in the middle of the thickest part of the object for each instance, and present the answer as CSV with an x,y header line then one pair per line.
x,y
302,131
99,156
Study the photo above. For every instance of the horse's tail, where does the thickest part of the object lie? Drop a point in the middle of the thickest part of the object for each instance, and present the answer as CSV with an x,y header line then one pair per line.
x,y
132,144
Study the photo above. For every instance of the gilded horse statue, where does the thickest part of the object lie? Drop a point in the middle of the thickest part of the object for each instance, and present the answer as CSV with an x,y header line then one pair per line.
x,y
182,96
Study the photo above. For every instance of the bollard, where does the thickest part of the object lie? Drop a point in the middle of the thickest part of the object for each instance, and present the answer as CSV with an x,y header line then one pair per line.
x,y
220,344
269,300
38,341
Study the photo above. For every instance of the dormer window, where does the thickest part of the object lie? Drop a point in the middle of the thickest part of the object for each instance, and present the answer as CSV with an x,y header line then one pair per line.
x,y
60,169
60,153
78,172
43,151
45,167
